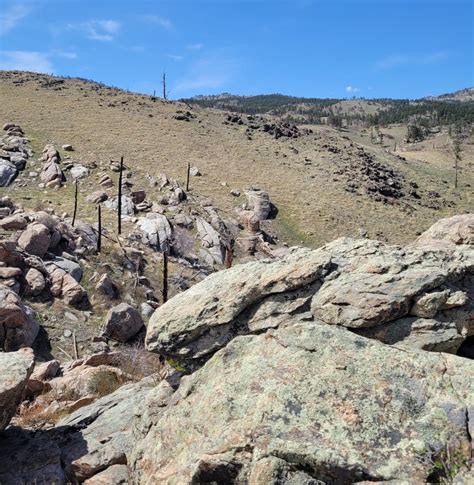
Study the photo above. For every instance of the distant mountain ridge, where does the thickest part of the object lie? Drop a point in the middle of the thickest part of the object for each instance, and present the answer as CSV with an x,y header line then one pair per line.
x,y
466,94
457,107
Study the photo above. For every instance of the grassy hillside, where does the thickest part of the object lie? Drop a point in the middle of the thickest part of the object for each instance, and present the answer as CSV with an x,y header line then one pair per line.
x,y
325,183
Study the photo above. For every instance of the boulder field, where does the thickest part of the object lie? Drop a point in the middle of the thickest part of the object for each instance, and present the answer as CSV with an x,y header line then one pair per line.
x,y
328,366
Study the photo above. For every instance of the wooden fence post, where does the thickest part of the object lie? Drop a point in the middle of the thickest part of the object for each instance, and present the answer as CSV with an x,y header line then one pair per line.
x,y
165,275
187,177
99,227
119,202
75,204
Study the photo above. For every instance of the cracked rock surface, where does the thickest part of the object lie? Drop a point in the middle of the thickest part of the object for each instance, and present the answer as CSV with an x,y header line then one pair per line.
x,y
307,402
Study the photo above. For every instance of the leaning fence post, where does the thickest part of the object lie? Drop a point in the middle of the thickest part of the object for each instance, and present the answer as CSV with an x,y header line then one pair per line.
x,y
165,275
75,203
99,227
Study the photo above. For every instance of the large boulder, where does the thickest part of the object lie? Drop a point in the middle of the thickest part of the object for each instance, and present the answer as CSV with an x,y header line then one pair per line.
x,y
455,230
157,231
122,323
79,172
65,286
259,203
206,317
51,173
18,325
308,403
211,241
16,368
13,222
419,296
128,207
8,172
35,239
71,267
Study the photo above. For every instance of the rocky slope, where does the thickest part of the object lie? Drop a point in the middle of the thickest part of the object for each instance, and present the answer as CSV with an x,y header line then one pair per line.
x,y
272,379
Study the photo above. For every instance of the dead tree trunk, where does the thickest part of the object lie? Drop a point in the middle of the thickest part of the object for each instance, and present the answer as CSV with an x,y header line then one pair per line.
x,y
165,94
99,228
119,201
75,203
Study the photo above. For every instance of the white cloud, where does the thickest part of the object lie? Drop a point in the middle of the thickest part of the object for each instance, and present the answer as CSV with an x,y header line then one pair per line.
x,y
64,54
10,18
25,61
160,21
396,60
174,57
101,30
194,47
352,89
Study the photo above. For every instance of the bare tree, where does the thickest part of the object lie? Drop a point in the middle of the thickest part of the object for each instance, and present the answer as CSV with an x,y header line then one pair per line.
x,y
163,82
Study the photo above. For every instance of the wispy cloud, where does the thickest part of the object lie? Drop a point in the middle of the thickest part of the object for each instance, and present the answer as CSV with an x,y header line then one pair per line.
x,y
208,73
11,17
195,47
64,54
396,60
101,30
352,89
25,61
174,57
160,21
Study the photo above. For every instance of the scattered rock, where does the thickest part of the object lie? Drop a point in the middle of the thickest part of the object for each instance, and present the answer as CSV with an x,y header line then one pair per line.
x,y
67,148
122,323
35,239
107,287
97,197
65,286
8,173
18,326
35,282
127,205
79,172
195,172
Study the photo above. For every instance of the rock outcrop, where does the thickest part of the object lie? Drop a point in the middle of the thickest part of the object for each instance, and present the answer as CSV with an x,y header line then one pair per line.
x,y
16,369
14,153
308,403
84,444
419,296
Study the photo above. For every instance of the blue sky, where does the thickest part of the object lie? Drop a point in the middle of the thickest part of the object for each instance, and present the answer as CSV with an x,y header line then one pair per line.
x,y
320,48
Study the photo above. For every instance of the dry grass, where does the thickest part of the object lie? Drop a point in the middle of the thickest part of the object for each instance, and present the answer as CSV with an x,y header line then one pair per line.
x,y
103,124
136,362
